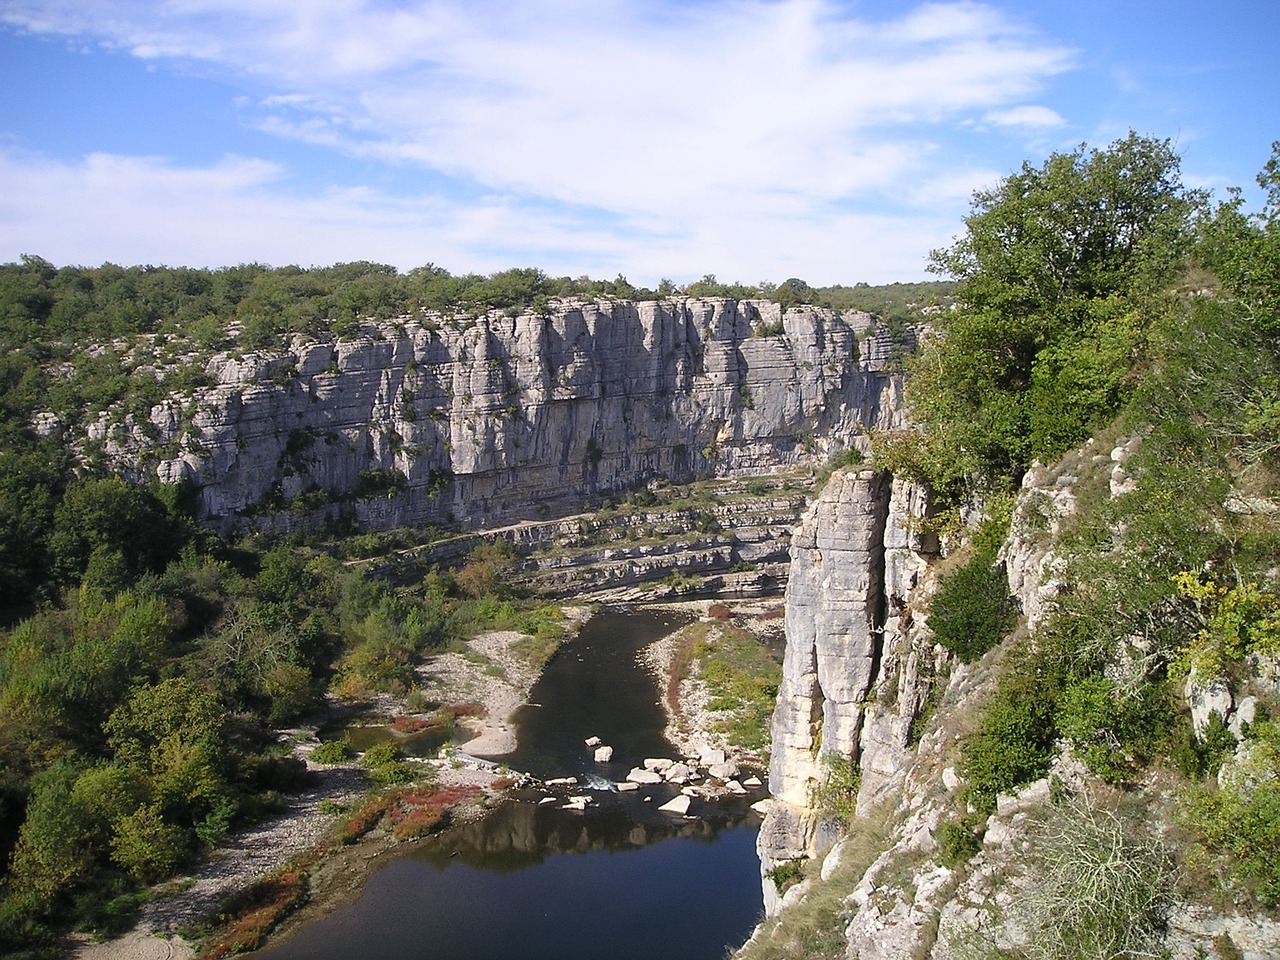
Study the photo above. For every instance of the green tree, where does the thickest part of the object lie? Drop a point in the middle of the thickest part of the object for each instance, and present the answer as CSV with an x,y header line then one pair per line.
x,y
1053,263
111,515
1244,251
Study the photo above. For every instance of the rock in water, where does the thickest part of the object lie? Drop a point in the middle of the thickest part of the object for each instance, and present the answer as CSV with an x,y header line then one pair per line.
x,y
677,805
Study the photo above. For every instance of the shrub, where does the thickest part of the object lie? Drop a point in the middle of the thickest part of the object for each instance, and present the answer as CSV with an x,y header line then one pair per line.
x,y
146,846
1241,819
972,609
960,840
1103,890
786,874
1013,742
333,751
836,794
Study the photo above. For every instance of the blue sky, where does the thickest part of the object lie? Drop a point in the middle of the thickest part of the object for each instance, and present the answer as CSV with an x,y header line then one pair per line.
x,y
834,141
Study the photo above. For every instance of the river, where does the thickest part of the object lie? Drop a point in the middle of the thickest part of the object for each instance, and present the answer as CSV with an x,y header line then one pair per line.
x,y
534,881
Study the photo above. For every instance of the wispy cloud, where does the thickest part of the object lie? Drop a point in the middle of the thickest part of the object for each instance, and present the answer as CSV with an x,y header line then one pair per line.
x,y
729,125
1035,117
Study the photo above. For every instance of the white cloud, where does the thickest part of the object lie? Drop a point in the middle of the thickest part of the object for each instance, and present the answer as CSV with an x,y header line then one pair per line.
x,y
147,210
742,128
1025,116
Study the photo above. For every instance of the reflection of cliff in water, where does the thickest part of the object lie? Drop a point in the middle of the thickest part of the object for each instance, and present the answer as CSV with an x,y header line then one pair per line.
x,y
521,833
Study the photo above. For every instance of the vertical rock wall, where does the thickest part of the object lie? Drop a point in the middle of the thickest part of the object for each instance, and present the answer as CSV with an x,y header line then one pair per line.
x,y
857,661
497,418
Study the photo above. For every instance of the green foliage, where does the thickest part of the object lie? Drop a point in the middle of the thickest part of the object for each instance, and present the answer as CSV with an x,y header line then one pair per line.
x,y
1244,250
1014,740
972,609
1240,819
742,679
960,840
113,522
786,874
836,792
1051,264
910,301
1239,621
386,767
792,292
1113,731
333,751
147,845
487,570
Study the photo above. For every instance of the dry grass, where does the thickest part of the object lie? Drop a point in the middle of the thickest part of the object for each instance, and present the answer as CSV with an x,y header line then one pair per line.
x,y
813,929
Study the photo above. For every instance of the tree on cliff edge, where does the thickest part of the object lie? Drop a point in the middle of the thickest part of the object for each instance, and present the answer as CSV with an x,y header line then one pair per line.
x,y
1054,268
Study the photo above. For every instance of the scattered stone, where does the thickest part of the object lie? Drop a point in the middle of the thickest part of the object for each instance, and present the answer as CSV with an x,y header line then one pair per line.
x,y
593,741
657,764
677,773
546,800
643,776
678,805
762,806
723,771
626,786
562,782
950,779
733,786
604,754
708,756
752,782
577,803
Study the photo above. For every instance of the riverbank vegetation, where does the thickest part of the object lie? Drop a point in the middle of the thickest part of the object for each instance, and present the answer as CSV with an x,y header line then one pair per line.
x,y
136,713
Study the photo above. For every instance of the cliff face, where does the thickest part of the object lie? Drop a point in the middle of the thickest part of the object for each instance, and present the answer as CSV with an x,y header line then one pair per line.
x,y
864,681
857,665
509,417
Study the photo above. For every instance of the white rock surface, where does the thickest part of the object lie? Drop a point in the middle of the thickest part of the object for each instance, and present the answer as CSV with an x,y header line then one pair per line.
x,y
678,805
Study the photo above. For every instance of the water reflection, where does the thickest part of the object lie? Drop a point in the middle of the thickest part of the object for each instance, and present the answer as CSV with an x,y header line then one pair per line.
x,y
595,686
521,833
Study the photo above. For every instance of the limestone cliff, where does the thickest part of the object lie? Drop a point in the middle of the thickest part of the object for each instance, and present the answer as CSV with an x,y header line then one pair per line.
x,y
856,562
494,418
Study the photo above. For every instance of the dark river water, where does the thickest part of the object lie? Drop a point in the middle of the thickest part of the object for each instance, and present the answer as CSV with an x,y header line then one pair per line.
x,y
620,880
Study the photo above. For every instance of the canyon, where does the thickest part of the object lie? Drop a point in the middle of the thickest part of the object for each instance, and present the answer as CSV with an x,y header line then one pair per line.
x,y
522,425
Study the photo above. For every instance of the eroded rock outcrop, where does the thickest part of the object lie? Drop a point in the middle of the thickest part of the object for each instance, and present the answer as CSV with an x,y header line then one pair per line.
x,y
858,661
484,420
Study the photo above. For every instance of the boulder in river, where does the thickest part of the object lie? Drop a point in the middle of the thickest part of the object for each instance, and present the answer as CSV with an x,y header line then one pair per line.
x,y
678,805
604,754
643,776
707,756
677,773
